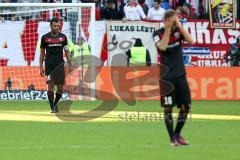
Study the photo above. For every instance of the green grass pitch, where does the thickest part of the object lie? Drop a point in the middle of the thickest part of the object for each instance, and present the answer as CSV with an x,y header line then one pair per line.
x,y
119,140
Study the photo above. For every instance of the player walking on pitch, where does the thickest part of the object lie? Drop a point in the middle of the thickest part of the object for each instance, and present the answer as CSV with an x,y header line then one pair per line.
x,y
52,45
168,41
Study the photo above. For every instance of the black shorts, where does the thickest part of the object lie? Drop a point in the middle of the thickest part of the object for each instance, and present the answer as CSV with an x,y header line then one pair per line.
x,y
55,73
175,91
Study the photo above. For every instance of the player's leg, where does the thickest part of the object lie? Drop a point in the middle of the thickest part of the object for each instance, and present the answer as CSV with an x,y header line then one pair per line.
x,y
59,80
182,117
58,96
50,85
168,119
167,93
183,98
50,95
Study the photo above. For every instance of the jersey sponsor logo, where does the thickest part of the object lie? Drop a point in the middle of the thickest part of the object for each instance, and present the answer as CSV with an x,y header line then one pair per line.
x,y
55,45
177,35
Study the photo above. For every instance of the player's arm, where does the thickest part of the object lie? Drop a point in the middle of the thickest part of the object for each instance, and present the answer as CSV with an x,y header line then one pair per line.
x,y
185,34
68,57
163,43
67,54
41,59
42,55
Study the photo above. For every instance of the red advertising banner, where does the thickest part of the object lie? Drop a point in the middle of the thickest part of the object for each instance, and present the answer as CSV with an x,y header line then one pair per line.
x,y
206,83
131,83
212,46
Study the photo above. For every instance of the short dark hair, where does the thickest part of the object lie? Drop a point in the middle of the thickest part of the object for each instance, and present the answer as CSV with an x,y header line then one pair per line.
x,y
138,43
157,1
169,13
54,19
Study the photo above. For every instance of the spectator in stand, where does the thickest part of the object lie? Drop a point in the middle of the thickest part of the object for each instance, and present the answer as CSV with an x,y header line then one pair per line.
x,y
49,14
165,4
8,84
133,11
144,6
156,12
175,3
7,17
97,10
181,15
238,13
138,55
185,12
194,8
66,1
28,1
189,11
110,11
120,5
31,87
149,3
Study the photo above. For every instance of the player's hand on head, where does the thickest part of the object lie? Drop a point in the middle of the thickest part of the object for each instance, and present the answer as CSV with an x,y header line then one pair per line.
x,y
177,21
169,23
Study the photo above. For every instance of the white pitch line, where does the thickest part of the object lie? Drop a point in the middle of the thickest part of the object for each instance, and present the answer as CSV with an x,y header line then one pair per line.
x,y
99,116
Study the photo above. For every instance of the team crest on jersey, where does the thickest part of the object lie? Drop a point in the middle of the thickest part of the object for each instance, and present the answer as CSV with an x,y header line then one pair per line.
x,y
177,35
60,39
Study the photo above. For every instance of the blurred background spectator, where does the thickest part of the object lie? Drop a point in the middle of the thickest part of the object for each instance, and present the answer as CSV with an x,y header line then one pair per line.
x,y
5,16
165,4
144,6
138,55
133,11
29,1
149,3
192,9
238,13
156,12
8,84
111,12
31,87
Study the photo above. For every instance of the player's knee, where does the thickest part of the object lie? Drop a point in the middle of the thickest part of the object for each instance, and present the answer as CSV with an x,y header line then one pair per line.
x,y
50,87
185,108
168,110
59,89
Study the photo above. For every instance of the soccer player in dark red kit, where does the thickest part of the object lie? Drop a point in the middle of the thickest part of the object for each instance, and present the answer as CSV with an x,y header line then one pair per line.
x,y
52,46
168,41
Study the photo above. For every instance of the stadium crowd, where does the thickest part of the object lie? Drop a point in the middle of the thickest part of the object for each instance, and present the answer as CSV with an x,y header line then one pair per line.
x,y
134,9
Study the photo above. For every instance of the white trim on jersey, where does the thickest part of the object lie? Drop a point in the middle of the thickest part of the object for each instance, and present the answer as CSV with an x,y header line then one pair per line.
x,y
173,45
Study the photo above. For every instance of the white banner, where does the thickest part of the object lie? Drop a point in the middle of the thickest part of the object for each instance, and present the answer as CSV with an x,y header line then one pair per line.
x,y
121,37
216,40
12,50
